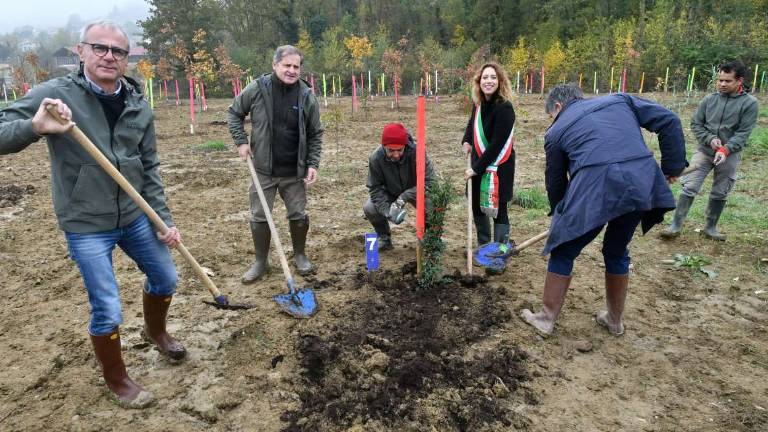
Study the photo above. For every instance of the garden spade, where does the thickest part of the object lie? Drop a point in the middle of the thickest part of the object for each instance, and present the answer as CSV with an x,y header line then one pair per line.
x,y
298,303
493,255
220,300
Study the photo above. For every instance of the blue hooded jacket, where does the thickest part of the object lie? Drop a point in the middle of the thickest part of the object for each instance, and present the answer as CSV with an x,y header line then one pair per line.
x,y
599,167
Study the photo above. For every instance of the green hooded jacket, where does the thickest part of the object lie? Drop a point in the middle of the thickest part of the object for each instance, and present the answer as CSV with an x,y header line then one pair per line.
x,y
256,101
728,117
85,198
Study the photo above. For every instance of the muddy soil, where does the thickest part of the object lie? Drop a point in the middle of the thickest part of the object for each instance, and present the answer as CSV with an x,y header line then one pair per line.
x,y
380,355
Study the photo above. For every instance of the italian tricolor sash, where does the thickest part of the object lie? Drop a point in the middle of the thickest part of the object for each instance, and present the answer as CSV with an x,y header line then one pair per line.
x,y
489,183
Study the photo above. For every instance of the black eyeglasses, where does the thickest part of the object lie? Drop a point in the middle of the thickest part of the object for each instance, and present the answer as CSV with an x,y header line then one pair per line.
x,y
102,50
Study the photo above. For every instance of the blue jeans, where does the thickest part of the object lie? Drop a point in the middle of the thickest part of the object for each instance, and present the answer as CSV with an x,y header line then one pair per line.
x,y
615,252
93,254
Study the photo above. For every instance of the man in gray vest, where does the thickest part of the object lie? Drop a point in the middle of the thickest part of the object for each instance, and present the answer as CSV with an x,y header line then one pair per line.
x,y
722,125
286,142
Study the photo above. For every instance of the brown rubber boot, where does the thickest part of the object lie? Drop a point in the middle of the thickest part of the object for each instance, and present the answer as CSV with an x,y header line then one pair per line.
x,y
555,287
122,389
615,296
155,314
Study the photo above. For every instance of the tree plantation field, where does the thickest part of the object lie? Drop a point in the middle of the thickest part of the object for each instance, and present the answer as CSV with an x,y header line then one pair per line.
x,y
379,355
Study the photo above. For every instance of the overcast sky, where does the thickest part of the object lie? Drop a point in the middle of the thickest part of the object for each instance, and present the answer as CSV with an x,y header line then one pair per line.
x,y
44,14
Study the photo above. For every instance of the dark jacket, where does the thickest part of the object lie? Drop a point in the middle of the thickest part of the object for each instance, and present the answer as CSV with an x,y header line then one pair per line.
x,y
85,198
599,167
498,120
728,117
256,101
389,180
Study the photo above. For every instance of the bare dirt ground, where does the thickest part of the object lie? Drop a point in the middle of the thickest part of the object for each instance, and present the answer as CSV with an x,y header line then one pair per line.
x,y
378,356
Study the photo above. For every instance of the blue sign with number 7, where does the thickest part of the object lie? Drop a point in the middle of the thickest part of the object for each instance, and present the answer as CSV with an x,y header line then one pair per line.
x,y
372,251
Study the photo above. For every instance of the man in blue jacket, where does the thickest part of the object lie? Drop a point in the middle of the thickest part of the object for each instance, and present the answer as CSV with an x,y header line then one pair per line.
x,y
722,125
599,171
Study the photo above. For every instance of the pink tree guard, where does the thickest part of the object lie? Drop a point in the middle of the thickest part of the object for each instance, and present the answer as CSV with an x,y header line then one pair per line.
x,y
354,93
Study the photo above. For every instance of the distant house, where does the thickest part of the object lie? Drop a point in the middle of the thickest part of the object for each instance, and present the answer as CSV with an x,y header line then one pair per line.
x,y
28,45
5,72
137,53
66,58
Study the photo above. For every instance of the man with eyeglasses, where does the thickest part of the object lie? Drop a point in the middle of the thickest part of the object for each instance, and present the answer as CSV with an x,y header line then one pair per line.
x,y
92,210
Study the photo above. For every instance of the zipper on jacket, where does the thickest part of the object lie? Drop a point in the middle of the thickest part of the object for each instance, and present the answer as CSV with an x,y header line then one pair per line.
x,y
722,114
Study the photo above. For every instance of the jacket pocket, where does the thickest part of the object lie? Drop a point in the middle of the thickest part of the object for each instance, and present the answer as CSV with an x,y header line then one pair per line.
x,y
94,193
133,171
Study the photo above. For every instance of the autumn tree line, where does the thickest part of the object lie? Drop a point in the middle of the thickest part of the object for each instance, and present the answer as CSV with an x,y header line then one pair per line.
x,y
658,42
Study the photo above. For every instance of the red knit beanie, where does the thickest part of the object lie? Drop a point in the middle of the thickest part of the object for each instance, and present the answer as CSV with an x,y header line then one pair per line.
x,y
394,135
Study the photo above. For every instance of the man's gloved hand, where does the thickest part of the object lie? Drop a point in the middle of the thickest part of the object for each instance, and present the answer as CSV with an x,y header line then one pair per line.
x,y
397,212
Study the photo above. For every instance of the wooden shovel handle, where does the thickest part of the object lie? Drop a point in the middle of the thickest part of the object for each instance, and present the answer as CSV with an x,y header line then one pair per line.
x,y
271,223
105,164
531,241
469,217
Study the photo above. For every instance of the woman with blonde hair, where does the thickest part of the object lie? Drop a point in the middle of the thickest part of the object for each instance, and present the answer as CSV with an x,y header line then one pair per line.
x,y
489,140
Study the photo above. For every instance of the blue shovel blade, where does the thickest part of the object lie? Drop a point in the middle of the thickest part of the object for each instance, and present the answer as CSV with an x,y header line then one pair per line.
x,y
493,255
298,304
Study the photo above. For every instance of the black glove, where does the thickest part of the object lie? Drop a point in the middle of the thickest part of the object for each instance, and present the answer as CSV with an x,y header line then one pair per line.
x,y
397,212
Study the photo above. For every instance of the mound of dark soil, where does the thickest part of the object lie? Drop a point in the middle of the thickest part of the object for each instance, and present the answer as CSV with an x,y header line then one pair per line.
x,y
409,359
10,195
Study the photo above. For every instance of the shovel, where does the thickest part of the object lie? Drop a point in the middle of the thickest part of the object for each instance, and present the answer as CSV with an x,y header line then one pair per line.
x,y
220,300
296,303
493,255
469,218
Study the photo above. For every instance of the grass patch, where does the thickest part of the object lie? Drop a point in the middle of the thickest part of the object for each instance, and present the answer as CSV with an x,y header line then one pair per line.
x,y
211,146
758,142
533,198
763,112
743,213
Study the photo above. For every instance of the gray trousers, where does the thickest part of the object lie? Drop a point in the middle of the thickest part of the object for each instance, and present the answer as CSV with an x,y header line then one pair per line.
x,y
724,177
292,190
378,219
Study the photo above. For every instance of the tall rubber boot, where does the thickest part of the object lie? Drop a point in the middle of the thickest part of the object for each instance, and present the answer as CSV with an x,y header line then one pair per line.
x,y
683,205
555,288
714,209
155,316
299,229
261,238
500,236
483,227
122,389
615,297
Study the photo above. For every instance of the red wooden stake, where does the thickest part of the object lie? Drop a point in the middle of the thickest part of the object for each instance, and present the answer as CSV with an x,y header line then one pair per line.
x,y
421,126
354,93
202,96
624,80
176,82
191,106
